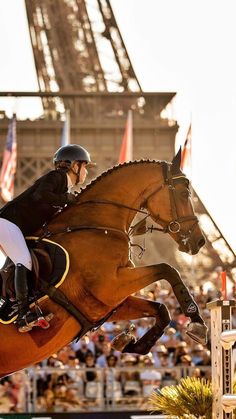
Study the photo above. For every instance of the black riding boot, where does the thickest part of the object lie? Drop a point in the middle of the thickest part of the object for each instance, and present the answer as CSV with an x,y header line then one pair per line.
x,y
26,317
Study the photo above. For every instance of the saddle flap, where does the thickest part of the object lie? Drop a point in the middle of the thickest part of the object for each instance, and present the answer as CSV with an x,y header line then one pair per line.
x,y
50,264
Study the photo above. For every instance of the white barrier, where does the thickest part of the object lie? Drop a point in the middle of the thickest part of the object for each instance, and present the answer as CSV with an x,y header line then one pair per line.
x,y
222,340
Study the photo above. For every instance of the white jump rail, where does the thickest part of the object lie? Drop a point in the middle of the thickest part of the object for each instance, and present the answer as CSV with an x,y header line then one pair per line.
x,y
222,340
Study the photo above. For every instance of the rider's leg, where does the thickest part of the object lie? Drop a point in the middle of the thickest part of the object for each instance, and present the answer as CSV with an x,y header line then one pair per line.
x,y
25,315
13,243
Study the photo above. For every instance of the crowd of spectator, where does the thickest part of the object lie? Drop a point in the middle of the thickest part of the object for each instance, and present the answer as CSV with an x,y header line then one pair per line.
x,y
90,374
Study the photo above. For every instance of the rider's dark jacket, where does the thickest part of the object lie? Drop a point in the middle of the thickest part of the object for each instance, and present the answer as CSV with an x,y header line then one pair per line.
x,y
37,204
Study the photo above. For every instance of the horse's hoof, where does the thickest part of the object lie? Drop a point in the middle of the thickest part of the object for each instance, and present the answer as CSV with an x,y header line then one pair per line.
x,y
197,332
122,340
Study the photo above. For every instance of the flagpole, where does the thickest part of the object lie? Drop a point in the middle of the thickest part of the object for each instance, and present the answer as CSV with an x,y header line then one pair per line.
x,y
68,125
65,136
126,151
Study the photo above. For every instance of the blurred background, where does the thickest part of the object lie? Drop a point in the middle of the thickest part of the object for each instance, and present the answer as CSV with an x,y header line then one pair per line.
x,y
151,76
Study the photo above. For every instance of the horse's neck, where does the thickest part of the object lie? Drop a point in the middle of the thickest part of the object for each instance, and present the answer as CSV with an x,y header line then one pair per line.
x,y
126,182
128,186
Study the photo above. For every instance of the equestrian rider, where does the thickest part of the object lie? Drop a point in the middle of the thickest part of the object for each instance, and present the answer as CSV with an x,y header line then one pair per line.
x,y
29,211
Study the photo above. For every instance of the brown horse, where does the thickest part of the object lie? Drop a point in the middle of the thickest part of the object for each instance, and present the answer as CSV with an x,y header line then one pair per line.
x,y
101,277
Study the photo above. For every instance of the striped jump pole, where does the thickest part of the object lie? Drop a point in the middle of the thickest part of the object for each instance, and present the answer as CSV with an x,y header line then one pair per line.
x,y
222,340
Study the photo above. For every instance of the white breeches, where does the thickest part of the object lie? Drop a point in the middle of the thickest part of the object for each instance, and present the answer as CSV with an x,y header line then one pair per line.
x,y
13,244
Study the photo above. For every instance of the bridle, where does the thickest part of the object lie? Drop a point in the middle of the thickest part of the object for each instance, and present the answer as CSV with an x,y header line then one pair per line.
x,y
174,226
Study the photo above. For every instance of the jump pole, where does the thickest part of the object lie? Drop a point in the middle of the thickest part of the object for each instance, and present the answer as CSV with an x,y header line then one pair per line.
x,y
222,340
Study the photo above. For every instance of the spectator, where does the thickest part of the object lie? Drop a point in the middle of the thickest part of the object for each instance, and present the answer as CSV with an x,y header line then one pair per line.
x,y
169,378
49,400
98,339
181,349
16,391
82,353
171,341
6,405
198,354
130,377
72,402
150,377
92,380
74,374
113,391
158,352
106,351
142,327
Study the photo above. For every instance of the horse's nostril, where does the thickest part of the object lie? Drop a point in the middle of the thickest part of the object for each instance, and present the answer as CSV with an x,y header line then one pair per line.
x,y
201,243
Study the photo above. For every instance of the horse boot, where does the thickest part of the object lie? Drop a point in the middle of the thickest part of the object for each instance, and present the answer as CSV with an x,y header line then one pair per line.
x,y
26,319
197,328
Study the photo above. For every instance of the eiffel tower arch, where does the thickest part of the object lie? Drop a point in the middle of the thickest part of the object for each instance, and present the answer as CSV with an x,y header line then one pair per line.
x,y
83,66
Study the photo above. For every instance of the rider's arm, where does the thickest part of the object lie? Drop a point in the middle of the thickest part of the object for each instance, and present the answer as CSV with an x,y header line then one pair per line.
x,y
47,189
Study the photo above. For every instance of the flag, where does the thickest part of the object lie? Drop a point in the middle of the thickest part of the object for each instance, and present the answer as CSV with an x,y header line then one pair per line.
x,y
126,152
65,136
186,156
8,168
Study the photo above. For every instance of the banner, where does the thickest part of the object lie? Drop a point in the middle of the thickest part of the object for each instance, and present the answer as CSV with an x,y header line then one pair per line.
x,y
126,152
8,168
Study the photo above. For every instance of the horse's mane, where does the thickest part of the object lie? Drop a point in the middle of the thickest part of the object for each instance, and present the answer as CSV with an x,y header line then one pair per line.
x,y
116,168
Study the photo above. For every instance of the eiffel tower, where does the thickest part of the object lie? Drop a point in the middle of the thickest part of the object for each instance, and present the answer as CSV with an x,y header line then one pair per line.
x,y
78,47
83,66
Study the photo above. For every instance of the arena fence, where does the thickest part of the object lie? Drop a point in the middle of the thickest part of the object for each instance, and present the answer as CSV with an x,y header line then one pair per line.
x,y
67,390
97,415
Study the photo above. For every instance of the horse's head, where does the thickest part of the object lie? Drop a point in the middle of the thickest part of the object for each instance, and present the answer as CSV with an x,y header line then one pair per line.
x,y
170,206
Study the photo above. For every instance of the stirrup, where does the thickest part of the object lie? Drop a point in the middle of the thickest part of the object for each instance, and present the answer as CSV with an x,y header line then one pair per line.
x,y
40,321
197,332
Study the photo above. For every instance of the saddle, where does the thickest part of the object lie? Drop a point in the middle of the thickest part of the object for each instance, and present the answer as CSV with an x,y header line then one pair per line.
x,y
50,264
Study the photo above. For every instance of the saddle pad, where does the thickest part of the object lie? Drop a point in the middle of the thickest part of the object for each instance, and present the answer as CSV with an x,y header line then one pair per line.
x,y
60,267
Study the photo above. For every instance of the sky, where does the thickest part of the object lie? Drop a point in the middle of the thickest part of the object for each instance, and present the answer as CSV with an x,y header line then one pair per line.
x,y
185,46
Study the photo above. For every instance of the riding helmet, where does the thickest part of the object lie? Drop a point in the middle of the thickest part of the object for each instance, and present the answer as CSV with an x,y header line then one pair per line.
x,y
72,152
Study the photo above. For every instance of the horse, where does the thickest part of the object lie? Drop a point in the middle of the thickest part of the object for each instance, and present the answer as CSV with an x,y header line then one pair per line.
x,y
101,279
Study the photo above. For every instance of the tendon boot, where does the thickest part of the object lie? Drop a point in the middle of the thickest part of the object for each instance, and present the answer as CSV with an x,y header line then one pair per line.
x,y
26,319
197,329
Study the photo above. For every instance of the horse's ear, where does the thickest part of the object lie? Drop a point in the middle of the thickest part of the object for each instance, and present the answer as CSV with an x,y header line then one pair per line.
x,y
176,162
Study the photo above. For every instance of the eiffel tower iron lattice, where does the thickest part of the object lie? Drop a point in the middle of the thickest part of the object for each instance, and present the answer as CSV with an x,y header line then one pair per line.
x,y
77,46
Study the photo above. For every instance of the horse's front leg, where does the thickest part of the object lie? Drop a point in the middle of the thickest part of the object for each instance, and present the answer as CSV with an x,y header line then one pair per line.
x,y
131,280
136,308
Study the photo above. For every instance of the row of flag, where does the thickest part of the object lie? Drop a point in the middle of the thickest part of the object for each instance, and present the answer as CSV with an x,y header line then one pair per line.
x,y
9,160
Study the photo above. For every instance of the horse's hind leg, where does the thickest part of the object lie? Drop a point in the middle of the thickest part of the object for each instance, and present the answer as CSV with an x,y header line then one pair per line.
x,y
136,308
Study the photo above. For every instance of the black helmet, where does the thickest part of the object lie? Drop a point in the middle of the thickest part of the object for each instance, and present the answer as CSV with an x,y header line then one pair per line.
x,y
72,152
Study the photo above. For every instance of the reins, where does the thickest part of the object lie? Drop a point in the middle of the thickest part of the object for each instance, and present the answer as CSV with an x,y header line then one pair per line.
x,y
47,233
173,226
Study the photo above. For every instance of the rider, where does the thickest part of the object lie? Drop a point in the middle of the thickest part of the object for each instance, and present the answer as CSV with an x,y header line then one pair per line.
x,y
31,210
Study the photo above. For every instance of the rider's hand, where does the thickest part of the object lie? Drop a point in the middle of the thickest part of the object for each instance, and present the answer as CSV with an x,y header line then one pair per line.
x,y
71,198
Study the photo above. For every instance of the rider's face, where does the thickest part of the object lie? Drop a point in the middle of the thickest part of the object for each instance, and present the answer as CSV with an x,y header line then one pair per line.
x,y
78,168
83,173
